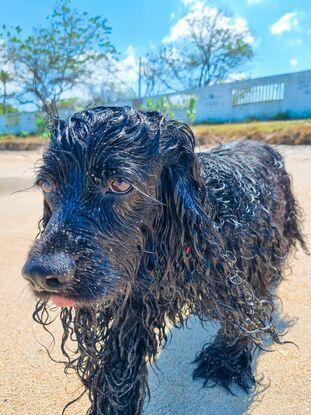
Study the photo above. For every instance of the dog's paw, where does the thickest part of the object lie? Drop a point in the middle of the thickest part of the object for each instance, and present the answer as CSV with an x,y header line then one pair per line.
x,y
222,364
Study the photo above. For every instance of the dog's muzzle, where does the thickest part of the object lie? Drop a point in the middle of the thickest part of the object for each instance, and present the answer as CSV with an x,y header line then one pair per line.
x,y
52,273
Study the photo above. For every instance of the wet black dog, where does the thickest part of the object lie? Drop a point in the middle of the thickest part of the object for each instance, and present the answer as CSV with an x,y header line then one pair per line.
x,y
139,231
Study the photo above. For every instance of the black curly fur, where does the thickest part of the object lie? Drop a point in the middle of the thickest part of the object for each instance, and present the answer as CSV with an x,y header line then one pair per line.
x,y
205,234
226,361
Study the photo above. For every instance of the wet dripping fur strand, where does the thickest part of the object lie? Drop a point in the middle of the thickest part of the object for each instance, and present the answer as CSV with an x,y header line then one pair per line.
x,y
215,245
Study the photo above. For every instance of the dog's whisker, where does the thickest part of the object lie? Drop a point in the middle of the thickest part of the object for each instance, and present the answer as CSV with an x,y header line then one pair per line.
x,y
148,196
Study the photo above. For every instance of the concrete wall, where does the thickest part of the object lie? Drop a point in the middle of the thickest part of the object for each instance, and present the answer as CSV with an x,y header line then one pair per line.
x,y
17,123
216,103
24,122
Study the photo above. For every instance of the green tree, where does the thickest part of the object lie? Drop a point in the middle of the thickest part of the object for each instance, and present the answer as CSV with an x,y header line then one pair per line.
x,y
5,78
55,58
7,109
67,103
205,46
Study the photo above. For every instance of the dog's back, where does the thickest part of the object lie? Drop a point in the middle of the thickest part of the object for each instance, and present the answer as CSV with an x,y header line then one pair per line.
x,y
249,191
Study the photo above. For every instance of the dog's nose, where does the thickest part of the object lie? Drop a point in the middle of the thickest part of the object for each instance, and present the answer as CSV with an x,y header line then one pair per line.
x,y
49,273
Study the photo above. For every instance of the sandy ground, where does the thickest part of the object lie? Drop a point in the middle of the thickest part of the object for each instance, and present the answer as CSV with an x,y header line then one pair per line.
x,y
33,385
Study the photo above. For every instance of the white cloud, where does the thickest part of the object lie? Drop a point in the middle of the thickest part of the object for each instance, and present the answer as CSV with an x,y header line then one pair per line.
x,y
286,23
178,31
240,25
237,76
183,27
121,76
126,69
128,66
294,62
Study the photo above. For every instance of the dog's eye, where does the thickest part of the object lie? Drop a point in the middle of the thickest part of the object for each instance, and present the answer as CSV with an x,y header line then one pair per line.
x,y
47,185
120,186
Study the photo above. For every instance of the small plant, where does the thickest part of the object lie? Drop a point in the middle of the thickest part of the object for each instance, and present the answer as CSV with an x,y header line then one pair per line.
x,y
42,127
23,134
191,110
161,104
282,116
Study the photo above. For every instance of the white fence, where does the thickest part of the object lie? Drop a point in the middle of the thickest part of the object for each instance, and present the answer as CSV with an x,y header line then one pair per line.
x,y
279,96
262,98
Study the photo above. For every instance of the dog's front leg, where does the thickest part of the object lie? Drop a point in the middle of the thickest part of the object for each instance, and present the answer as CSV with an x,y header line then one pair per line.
x,y
119,385
227,360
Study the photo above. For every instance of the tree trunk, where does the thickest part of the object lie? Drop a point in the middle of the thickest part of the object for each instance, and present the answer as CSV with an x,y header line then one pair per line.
x,y
50,109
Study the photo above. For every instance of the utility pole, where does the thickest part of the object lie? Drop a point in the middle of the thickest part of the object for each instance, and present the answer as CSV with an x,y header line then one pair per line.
x,y
139,77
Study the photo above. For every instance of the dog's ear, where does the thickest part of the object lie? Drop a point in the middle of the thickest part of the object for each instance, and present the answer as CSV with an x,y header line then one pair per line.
x,y
185,228
191,253
178,156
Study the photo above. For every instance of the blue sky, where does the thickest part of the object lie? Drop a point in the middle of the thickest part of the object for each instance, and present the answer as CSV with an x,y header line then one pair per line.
x,y
281,28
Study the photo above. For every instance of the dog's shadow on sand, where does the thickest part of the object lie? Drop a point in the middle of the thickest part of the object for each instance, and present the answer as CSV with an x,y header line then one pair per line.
x,y
172,390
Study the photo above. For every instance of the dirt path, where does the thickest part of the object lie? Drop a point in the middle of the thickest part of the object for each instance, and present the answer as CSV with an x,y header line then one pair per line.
x,y
33,385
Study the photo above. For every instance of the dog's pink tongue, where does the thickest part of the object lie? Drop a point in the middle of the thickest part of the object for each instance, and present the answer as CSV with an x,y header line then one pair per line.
x,y
62,301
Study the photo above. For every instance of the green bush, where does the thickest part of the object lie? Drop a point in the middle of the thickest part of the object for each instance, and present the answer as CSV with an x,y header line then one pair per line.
x,y
7,109
23,134
191,110
161,104
42,127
